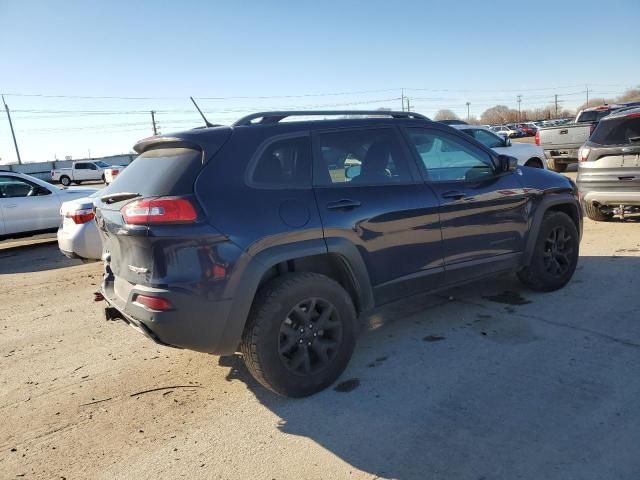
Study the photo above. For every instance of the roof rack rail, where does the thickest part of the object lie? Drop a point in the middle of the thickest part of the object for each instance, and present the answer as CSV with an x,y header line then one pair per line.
x,y
276,116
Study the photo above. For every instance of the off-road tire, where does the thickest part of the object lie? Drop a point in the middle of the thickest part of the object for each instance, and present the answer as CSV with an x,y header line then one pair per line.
x,y
556,166
536,275
595,214
64,180
262,336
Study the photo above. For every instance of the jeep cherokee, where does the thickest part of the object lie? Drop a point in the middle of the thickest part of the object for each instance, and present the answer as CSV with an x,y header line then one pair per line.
x,y
271,237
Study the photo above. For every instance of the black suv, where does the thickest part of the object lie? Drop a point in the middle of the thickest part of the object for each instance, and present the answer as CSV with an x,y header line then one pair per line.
x,y
271,237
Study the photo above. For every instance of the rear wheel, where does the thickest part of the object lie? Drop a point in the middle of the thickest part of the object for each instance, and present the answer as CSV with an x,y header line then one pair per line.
x,y
556,166
300,334
555,254
595,213
64,180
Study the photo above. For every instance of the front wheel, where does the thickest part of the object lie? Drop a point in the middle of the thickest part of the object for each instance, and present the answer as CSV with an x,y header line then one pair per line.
x,y
555,254
300,334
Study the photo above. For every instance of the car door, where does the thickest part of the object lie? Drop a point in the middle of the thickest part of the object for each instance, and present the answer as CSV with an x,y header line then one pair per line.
x,y
80,171
27,206
483,213
92,172
371,198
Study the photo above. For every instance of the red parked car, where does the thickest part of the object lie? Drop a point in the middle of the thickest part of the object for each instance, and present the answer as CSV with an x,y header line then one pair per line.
x,y
527,129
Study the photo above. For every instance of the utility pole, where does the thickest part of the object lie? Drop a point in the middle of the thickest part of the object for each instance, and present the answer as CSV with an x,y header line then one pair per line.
x,y
402,98
556,102
587,96
13,134
519,115
468,116
153,120
408,104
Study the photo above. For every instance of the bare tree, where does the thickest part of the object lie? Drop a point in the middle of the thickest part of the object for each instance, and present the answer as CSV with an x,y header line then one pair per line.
x,y
445,114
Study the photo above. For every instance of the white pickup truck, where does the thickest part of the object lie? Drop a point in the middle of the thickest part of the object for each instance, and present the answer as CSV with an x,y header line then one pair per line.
x,y
80,172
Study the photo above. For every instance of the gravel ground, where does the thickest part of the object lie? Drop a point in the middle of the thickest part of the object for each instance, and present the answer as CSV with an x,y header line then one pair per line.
x,y
489,381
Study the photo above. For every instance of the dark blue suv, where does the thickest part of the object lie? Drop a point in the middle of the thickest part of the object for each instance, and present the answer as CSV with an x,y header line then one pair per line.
x,y
271,236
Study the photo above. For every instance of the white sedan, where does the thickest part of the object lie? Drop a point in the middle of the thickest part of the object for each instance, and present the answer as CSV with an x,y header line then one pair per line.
x,y
528,155
29,205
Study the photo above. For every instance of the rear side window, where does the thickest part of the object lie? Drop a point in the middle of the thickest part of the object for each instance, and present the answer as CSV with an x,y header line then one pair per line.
x,y
618,131
159,172
285,162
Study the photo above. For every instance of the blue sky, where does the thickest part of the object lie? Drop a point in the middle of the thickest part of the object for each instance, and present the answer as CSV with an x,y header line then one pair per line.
x,y
442,53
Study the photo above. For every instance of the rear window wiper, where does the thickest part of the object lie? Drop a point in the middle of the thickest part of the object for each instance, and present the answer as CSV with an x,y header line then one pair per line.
x,y
119,197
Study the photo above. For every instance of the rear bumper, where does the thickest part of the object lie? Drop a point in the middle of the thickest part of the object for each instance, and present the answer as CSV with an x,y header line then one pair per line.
x,y
83,242
562,155
194,322
612,197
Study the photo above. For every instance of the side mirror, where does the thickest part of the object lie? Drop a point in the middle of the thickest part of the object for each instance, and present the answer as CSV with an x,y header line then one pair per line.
x,y
352,171
507,142
507,164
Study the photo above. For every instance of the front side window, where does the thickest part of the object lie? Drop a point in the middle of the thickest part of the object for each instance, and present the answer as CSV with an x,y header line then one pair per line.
x,y
362,157
446,158
285,162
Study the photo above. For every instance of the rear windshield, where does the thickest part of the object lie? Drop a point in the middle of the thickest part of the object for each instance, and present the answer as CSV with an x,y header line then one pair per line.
x,y
592,116
617,131
159,171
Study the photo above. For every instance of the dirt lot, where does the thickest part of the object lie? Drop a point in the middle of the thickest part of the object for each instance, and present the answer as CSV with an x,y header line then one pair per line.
x,y
490,381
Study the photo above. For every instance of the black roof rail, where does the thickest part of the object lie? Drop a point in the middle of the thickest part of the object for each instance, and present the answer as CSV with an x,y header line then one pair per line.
x,y
276,116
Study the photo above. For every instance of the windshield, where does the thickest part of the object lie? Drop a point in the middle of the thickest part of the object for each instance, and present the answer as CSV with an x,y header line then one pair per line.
x,y
487,138
102,164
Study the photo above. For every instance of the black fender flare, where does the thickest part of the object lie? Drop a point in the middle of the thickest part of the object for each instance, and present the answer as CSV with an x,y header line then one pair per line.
x,y
252,268
543,205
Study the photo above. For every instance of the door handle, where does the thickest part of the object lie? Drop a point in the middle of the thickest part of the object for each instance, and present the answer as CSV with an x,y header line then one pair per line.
x,y
454,194
344,203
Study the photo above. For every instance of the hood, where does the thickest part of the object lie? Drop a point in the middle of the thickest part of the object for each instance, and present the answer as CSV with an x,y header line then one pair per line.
x,y
533,150
546,180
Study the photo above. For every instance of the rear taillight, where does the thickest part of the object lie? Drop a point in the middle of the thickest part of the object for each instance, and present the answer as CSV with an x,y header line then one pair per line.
x,y
537,137
153,303
114,173
81,216
51,173
583,154
150,211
